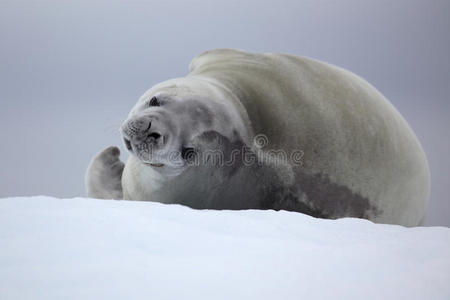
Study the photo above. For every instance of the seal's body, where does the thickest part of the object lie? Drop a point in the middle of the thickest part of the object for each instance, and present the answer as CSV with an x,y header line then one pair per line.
x,y
359,158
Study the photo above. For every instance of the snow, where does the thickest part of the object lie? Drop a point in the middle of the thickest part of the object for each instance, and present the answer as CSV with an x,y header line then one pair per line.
x,y
103,249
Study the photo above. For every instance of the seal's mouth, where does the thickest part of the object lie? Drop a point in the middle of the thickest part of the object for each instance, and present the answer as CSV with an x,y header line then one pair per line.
x,y
143,150
157,165
186,154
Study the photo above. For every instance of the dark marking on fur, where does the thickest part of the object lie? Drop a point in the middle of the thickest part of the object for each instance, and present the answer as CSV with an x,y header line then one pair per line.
x,y
318,196
261,185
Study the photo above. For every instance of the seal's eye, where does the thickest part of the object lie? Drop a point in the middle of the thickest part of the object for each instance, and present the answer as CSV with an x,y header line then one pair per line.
x,y
187,153
153,102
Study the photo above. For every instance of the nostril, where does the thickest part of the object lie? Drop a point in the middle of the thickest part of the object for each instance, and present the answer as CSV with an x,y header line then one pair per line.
x,y
154,135
127,144
149,125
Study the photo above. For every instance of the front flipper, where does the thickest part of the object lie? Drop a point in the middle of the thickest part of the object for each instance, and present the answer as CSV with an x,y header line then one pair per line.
x,y
104,175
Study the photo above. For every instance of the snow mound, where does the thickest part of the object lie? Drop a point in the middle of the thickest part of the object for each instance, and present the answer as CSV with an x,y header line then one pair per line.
x,y
95,249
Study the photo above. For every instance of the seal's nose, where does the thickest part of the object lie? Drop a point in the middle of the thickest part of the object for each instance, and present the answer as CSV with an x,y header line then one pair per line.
x,y
137,131
138,126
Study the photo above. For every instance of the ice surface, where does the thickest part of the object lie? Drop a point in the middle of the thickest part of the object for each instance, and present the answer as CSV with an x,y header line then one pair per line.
x,y
103,249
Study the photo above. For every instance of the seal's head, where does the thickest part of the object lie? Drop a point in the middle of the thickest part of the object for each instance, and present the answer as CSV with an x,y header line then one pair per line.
x,y
161,128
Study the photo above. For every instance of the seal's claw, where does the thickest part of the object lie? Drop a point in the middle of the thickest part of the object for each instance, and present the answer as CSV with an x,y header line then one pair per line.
x,y
113,150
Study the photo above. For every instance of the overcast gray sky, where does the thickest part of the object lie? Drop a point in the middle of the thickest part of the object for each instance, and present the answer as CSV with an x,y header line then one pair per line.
x,y
71,70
